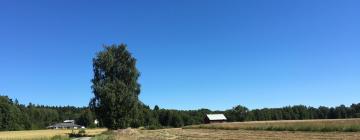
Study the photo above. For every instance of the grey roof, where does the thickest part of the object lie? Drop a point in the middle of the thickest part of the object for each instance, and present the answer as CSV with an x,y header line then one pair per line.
x,y
64,125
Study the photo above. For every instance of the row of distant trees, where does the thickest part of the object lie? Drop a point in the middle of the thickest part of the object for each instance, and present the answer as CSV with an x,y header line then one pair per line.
x,y
298,112
160,118
15,116
177,118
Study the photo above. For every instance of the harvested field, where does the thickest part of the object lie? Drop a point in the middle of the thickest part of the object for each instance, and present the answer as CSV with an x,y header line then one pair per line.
x,y
290,129
211,134
326,125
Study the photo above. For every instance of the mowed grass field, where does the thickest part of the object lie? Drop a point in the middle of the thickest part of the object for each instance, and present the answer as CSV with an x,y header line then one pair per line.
x,y
294,129
42,134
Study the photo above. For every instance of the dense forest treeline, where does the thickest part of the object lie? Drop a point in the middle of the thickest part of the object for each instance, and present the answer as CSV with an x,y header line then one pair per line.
x,y
178,118
15,116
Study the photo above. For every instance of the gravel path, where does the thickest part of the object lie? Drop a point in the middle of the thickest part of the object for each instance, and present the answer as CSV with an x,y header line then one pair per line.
x,y
83,138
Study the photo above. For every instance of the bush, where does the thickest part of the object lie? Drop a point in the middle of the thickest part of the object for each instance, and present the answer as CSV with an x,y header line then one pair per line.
x,y
154,127
92,125
81,133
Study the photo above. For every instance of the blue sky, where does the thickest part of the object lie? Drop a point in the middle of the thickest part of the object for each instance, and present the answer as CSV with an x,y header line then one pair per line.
x,y
191,54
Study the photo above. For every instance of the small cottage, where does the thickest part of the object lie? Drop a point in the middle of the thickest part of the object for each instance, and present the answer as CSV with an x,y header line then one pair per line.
x,y
215,118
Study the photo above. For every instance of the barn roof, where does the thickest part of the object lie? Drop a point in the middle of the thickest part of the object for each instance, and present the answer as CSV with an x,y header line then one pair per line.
x,y
214,117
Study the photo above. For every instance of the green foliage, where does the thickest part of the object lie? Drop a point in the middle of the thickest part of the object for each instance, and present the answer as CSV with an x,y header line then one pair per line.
x,y
80,133
86,118
115,88
297,112
179,118
238,113
40,116
154,127
11,117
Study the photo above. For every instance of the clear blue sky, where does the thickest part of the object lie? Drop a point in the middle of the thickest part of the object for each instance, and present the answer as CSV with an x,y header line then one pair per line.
x,y
191,53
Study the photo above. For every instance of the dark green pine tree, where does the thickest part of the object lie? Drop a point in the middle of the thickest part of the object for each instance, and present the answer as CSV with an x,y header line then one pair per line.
x,y
115,87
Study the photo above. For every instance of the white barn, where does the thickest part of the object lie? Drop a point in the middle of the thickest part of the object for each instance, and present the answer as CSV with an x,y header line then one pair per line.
x,y
215,118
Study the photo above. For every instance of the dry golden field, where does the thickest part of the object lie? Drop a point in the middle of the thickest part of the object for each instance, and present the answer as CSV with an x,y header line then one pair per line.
x,y
313,129
240,130
42,134
325,125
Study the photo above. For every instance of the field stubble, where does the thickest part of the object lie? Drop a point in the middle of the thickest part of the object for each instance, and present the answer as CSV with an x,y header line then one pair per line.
x,y
217,134
325,125
300,129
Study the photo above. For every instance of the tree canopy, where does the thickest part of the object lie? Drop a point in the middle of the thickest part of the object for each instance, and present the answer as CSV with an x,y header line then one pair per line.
x,y
115,88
